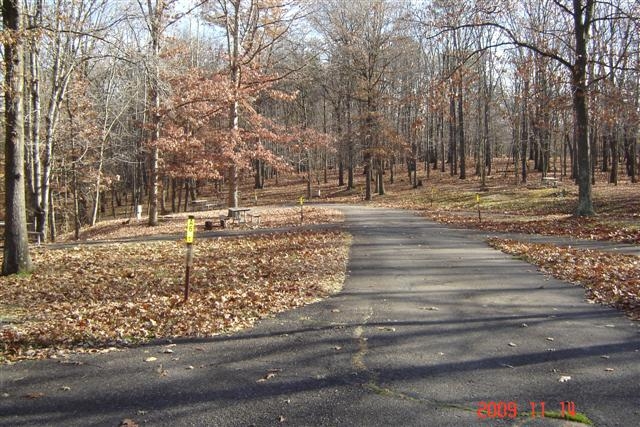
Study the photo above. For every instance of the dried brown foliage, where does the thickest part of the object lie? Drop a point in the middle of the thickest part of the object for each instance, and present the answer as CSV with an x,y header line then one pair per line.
x,y
91,297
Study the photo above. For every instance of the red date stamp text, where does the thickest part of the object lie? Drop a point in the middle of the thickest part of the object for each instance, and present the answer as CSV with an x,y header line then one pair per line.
x,y
491,409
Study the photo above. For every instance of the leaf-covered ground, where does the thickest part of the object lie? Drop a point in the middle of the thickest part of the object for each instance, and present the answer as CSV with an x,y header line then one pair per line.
x,y
175,224
590,228
532,209
508,205
609,278
92,297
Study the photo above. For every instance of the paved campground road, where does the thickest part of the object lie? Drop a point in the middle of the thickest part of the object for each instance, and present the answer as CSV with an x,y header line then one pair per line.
x,y
430,323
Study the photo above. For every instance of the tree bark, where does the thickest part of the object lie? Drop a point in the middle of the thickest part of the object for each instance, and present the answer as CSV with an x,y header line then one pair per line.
x,y
16,258
461,141
582,20
524,138
155,15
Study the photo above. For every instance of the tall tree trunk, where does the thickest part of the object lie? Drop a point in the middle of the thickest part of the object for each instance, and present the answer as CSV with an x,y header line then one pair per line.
x,y
461,141
605,150
258,177
350,173
615,157
234,46
452,136
442,150
582,15
154,161
368,177
34,84
76,200
58,90
342,145
380,173
52,219
16,258
524,138
309,195
350,148
98,183
164,189
593,142
631,140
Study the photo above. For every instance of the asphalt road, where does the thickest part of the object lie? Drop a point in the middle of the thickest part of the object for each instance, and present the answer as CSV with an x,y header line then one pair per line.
x,y
431,323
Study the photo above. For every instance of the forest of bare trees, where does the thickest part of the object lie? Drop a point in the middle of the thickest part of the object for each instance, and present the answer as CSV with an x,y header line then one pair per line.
x,y
113,104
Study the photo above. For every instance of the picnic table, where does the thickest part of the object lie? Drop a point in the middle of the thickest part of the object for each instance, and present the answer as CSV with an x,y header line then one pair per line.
x,y
239,216
201,205
39,236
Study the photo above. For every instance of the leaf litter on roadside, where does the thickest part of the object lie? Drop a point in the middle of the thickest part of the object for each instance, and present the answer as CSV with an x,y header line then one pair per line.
x,y
609,278
88,298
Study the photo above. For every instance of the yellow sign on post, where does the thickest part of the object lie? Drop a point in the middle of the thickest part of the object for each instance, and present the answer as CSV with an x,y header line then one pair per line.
x,y
301,200
191,231
477,198
191,228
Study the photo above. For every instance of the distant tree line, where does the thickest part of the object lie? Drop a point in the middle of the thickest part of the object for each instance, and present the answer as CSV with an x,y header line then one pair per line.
x,y
146,102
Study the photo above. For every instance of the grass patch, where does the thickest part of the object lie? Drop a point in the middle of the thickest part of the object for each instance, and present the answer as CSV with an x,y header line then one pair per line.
x,y
578,417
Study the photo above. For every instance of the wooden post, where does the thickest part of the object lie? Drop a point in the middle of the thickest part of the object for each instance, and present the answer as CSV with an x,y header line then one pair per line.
x,y
478,203
191,226
301,201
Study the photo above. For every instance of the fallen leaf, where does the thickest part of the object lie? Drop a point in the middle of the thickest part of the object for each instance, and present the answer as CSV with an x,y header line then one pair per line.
x,y
564,378
128,423
91,304
512,344
34,395
609,369
337,348
386,328
282,419
272,373
65,388
549,339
